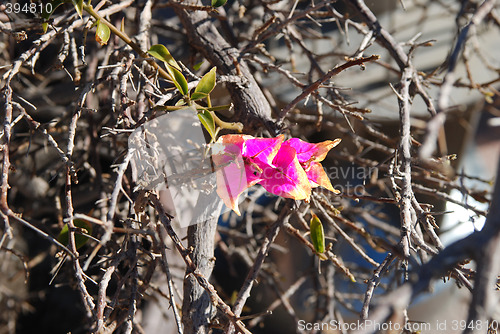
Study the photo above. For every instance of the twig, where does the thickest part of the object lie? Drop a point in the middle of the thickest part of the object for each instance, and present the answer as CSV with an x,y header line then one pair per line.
x,y
166,269
418,188
351,242
114,197
287,294
383,36
244,292
79,274
37,126
405,155
11,215
133,282
101,295
319,98
293,231
315,85
279,27
5,147
373,282
427,222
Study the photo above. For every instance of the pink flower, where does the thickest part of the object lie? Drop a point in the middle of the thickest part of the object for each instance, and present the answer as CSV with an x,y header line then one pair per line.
x,y
290,169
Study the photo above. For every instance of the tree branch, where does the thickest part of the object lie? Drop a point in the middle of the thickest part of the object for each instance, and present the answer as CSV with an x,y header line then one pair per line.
x,y
251,106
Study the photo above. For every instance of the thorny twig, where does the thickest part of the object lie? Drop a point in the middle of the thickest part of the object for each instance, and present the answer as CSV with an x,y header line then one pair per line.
x,y
373,282
79,274
114,197
405,154
344,235
314,86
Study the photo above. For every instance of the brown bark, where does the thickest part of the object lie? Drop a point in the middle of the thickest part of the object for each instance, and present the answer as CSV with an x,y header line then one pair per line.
x,y
197,308
250,105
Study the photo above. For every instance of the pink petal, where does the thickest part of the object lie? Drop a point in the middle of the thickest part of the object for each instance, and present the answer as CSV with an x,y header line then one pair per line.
x,y
231,173
233,143
263,149
307,152
258,154
317,176
286,178
231,183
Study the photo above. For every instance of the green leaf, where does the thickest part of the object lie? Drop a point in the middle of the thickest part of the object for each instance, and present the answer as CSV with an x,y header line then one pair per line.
x,y
197,66
205,86
317,234
161,52
198,96
179,80
102,33
208,122
80,240
218,3
78,6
